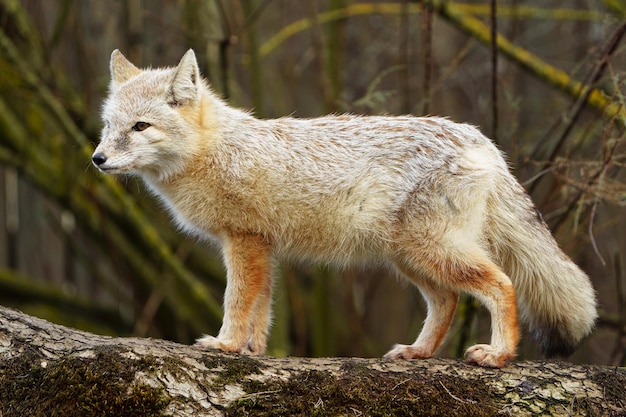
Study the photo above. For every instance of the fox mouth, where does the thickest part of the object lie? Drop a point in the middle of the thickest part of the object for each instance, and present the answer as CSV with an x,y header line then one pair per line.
x,y
113,169
105,169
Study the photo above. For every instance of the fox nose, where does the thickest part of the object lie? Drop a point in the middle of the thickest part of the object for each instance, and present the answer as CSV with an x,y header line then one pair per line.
x,y
99,158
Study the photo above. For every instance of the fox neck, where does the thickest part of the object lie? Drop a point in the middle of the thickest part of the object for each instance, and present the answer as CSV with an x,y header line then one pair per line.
x,y
211,122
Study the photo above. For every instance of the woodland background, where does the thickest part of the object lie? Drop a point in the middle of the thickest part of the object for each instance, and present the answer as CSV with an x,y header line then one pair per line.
x,y
97,252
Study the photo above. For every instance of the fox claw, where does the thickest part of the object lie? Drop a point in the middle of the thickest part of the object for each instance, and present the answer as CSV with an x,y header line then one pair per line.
x,y
406,352
487,355
211,342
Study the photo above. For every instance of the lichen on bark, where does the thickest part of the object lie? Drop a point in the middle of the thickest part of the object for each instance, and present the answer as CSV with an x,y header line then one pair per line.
x,y
48,370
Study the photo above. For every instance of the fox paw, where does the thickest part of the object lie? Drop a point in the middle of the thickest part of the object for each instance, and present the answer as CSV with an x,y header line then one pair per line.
x,y
211,342
257,346
487,355
407,352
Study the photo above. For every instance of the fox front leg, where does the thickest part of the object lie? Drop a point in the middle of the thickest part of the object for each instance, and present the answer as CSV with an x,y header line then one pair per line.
x,y
248,294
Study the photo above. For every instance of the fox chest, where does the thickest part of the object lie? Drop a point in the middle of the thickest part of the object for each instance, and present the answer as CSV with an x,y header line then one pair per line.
x,y
200,209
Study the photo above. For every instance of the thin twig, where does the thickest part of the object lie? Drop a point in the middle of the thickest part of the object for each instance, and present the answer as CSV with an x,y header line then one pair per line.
x,y
494,70
258,394
427,46
583,96
620,350
455,397
319,45
539,175
610,47
594,244
405,58
593,180
253,17
400,383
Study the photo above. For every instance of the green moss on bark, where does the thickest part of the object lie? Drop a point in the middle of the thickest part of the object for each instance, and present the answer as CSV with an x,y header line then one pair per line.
x,y
358,390
104,385
231,370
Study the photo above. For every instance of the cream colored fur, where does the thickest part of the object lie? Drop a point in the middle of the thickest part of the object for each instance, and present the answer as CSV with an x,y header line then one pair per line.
x,y
430,198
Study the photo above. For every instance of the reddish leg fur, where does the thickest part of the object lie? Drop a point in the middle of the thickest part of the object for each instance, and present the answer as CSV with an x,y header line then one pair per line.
x,y
441,305
476,275
247,296
261,319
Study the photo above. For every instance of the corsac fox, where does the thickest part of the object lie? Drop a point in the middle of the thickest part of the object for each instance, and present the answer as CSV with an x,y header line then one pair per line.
x,y
431,199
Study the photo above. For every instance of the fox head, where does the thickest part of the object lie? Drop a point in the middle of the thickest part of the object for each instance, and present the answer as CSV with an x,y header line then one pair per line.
x,y
150,117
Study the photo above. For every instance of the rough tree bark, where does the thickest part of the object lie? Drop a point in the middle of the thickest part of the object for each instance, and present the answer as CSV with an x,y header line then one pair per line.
x,y
49,370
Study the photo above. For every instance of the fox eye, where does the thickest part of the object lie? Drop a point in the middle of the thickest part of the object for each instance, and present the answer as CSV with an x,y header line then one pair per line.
x,y
140,126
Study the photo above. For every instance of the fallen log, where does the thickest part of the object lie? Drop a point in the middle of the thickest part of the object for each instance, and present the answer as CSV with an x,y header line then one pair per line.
x,y
48,370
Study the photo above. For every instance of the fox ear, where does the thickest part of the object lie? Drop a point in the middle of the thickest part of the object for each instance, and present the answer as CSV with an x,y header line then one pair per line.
x,y
121,68
186,79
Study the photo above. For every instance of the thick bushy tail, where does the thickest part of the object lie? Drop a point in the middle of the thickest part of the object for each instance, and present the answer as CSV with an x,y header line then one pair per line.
x,y
555,297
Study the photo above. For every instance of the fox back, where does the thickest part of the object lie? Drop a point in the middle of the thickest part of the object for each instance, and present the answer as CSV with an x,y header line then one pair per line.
x,y
431,199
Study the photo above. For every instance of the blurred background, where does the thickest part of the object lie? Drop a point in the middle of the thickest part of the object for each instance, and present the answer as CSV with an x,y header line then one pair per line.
x,y
98,253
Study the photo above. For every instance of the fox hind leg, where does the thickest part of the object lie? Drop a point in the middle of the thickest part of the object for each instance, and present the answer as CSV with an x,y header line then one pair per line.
x,y
496,292
441,304
471,271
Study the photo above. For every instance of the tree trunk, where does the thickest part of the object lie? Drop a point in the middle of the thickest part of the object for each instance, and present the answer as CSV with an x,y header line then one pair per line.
x,y
51,370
